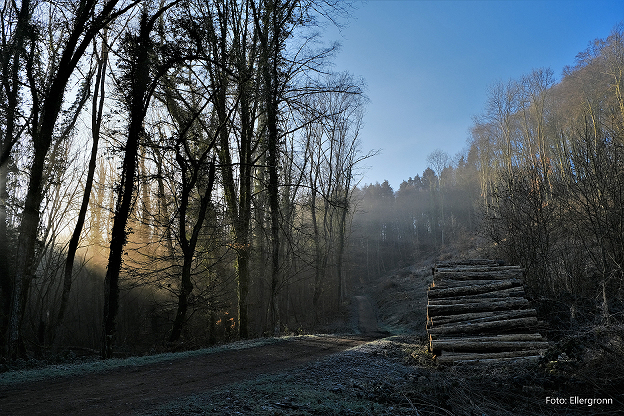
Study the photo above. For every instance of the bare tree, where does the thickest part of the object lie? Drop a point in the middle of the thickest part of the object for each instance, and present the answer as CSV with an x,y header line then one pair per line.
x,y
97,109
144,69
332,152
17,30
439,161
87,20
193,146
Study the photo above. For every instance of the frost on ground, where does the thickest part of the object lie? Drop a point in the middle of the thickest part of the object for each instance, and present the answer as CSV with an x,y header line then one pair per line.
x,y
366,379
397,376
302,376
91,366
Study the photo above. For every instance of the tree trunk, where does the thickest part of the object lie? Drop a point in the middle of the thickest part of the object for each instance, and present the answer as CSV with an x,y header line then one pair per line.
x,y
96,123
9,73
495,357
476,299
436,310
479,275
342,238
484,345
319,264
140,63
451,283
6,271
188,248
476,269
270,33
186,287
26,247
163,209
247,115
43,133
238,202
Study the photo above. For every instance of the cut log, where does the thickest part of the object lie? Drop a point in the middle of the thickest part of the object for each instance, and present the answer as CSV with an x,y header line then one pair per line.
x,y
459,269
514,292
536,336
477,312
471,262
451,283
505,324
492,357
477,317
515,303
470,300
439,292
505,293
485,346
470,275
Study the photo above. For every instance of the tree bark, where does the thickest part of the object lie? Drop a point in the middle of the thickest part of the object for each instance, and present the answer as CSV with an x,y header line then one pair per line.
x,y
189,247
238,198
505,324
270,31
74,47
486,346
436,291
476,269
476,275
511,342
138,100
437,310
477,317
494,338
13,49
494,357
447,283
96,123
474,300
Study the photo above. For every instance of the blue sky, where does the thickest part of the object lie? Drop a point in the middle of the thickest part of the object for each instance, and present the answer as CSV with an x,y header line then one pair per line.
x,y
428,65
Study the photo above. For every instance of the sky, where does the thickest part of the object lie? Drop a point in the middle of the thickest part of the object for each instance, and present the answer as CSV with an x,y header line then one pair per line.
x,y
428,65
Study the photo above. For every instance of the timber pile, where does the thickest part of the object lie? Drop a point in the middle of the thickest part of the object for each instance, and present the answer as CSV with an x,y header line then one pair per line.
x,y
477,312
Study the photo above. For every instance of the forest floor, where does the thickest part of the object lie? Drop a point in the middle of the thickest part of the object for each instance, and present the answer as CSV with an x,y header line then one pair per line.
x,y
380,366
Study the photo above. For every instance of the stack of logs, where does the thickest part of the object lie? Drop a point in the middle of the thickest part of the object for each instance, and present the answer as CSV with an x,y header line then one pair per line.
x,y
477,312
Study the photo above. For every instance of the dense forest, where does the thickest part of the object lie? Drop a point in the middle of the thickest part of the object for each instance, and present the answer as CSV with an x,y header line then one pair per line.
x,y
175,174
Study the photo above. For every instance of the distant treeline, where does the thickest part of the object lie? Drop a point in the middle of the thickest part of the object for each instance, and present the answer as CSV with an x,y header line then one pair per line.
x,y
427,216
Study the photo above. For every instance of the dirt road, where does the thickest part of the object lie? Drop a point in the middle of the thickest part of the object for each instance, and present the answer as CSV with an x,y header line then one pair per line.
x,y
128,390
